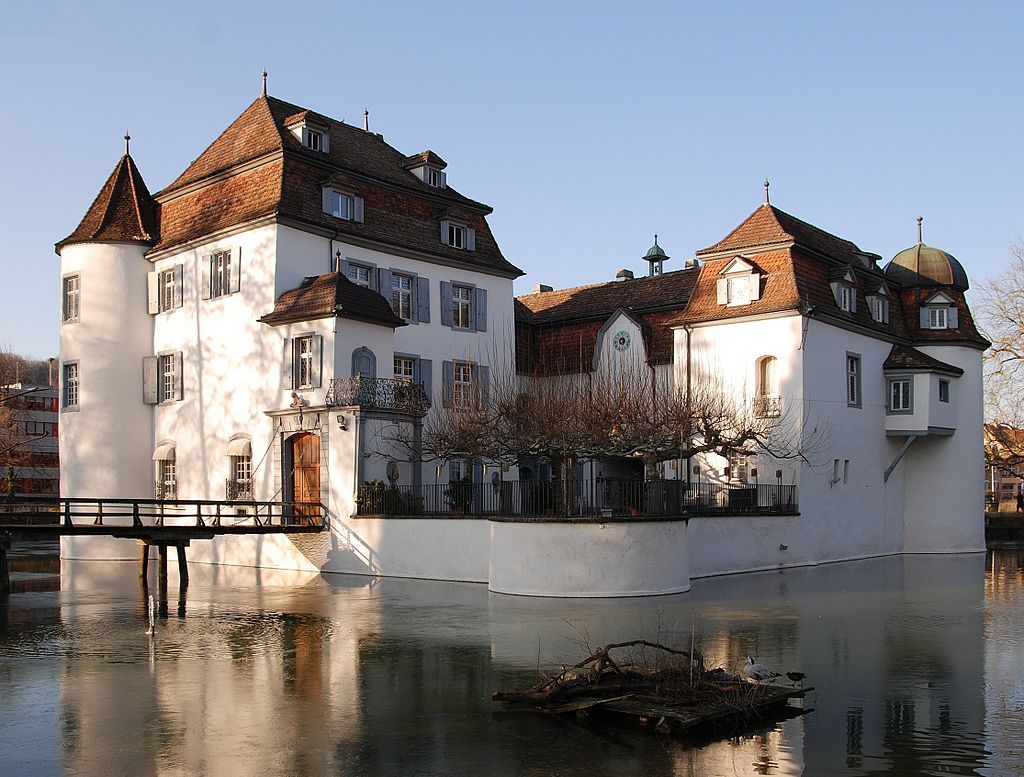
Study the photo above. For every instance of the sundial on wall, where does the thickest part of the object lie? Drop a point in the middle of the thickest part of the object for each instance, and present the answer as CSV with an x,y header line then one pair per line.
x,y
620,340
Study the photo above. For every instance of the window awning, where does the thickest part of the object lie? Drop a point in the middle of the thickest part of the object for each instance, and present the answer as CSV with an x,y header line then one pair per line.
x,y
164,452
240,447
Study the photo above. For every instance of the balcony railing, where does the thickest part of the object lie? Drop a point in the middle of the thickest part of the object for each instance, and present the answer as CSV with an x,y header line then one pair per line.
x,y
768,406
389,394
578,499
238,489
163,490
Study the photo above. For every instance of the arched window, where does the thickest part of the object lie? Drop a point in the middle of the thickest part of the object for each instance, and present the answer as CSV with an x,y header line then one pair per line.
x,y
239,481
767,403
364,363
166,480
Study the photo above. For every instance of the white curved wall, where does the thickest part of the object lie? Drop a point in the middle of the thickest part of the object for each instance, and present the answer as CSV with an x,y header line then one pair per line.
x,y
634,558
105,444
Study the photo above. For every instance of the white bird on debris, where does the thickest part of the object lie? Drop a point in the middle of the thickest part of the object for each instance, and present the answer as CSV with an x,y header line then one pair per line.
x,y
758,672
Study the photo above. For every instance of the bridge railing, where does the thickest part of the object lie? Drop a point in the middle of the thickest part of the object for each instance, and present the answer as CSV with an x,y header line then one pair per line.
x,y
41,510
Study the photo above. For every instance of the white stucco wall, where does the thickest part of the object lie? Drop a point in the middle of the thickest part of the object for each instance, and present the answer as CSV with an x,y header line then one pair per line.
x,y
538,558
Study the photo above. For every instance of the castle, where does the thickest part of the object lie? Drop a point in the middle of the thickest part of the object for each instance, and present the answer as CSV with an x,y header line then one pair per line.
x,y
240,333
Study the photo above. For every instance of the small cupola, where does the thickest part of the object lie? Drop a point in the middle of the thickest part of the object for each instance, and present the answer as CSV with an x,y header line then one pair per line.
x,y
428,167
656,258
922,265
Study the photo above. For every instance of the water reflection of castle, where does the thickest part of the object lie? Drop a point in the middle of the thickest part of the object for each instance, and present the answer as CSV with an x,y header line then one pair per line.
x,y
305,675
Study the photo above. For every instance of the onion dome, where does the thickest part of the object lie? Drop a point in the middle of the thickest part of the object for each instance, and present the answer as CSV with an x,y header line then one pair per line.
x,y
656,253
923,265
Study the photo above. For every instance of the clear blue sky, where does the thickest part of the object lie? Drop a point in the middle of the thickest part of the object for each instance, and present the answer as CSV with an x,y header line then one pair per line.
x,y
587,126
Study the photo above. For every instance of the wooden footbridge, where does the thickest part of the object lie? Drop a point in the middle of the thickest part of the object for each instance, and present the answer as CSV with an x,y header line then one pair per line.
x,y
162,523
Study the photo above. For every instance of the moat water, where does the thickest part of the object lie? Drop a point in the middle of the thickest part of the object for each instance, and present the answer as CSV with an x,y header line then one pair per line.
x,y
917,664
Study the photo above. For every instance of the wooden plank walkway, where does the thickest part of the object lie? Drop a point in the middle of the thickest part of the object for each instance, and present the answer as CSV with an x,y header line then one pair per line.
x,y
152,522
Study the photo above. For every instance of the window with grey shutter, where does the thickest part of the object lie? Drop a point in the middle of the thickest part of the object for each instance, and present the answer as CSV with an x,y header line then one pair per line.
x,y
149,382
287,366
755,286
423,300
723,291
153,289
446,303
357,209
236,269
317,360
206,264
470,239
444,232
179,376
925,318
953,317
480,309
482,382
425,376
447,383
179,272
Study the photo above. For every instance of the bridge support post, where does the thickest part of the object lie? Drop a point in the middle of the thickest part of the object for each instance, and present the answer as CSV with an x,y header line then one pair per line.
x,y
144,564
162,565
5,575
182,567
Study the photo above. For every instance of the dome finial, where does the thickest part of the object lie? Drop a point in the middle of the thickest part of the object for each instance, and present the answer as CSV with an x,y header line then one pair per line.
x,y
264,82
919,220
766,185
127,142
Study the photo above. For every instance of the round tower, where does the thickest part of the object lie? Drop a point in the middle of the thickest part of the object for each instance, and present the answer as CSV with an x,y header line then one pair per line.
x,y
106,330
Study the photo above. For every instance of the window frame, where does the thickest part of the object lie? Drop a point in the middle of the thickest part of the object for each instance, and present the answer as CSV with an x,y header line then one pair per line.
x,y
456,235
879,308
462,390
462,305
732,291
166,371
221,281
67,294
905,404
357,267
944,394
314,139
936,312
405,359
67,393
303,360
854,381
397,276
165,284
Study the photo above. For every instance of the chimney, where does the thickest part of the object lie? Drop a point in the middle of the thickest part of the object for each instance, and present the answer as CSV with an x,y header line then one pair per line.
x,y
624,275
541,287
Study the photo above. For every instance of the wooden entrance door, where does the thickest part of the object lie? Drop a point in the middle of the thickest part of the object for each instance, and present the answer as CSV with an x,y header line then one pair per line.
x,y
305,475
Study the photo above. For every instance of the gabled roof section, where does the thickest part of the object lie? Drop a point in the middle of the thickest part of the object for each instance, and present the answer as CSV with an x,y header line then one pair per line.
x,y
940,298
904,357
769,226
328,295
739,264
123,211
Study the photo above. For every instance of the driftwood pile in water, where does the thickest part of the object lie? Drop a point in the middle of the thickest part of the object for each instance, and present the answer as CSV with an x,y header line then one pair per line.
x,y
660,686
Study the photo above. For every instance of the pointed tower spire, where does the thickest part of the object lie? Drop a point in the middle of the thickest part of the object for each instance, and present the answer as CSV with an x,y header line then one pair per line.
x,y
264,82
919,220
123,211
127,143
767,201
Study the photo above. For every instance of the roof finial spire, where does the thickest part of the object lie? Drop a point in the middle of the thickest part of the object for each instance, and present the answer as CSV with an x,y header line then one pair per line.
x,y
366,119
264,82
766,185
127,142
919,220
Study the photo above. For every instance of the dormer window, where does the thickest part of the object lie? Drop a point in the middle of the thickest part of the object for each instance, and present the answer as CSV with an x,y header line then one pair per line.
x,y
342,204
844,289
457,235
314,140
428,167
435,177
310,131
738,283
940,312
879,308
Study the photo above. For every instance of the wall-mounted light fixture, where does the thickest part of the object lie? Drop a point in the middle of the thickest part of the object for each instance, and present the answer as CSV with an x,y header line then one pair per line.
x,y
342,421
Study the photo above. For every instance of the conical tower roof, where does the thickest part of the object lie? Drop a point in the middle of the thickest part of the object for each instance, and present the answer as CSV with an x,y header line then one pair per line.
x,y
123,211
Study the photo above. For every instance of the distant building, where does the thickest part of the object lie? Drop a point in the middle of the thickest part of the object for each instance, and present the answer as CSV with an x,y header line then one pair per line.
x,y
33,463
1004,466
246,331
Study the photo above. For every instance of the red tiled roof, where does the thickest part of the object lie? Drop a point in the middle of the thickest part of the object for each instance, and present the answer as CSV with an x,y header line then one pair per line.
x,y
556,331
966,331
123,211
768,226
778,290
904,357
332,294
400,210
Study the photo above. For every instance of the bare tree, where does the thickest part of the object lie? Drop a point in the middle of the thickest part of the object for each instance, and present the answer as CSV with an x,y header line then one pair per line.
x,y
621,413
1001,315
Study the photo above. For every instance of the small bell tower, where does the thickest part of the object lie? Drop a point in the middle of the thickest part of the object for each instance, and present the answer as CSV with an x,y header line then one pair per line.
x,y
656,258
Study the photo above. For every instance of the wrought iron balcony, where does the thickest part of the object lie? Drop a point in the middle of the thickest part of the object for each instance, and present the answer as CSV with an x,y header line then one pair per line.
x,y
768,406
388,394
163,490
238,490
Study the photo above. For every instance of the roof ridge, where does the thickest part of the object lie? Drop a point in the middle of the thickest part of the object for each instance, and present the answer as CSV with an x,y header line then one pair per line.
x,y
604,283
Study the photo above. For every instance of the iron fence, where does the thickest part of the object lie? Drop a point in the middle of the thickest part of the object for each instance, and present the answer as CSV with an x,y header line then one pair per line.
x,y
389,394
580,498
